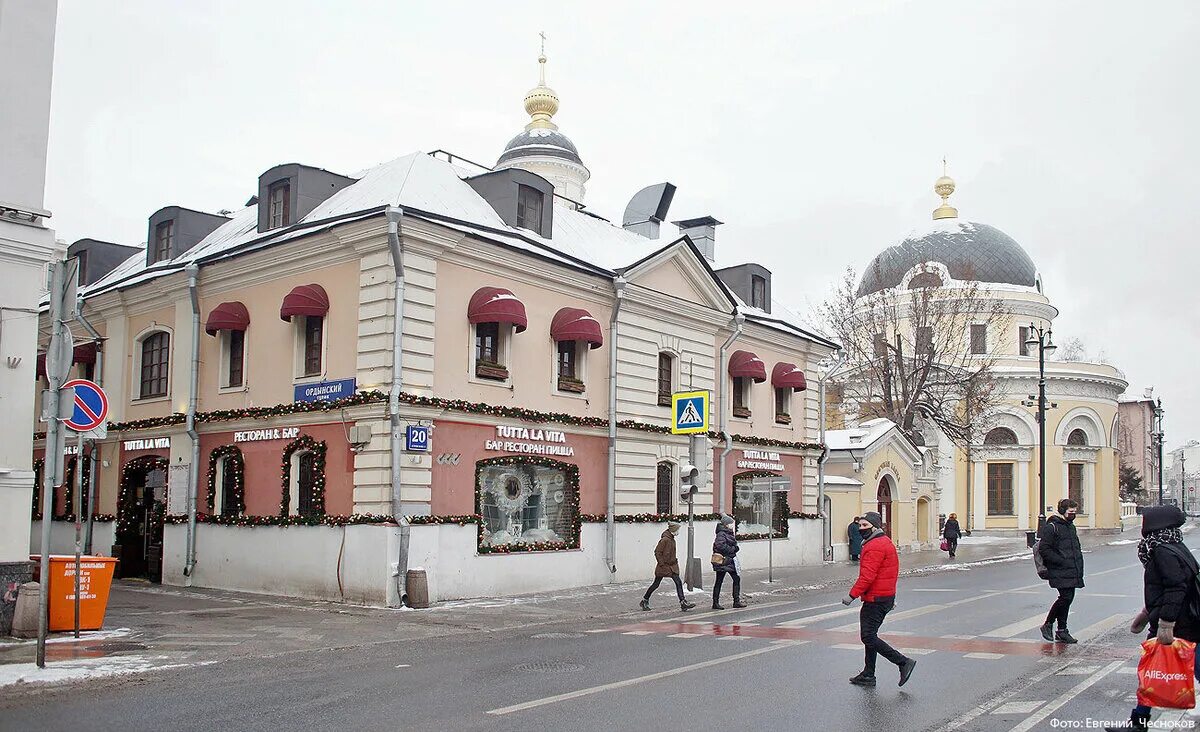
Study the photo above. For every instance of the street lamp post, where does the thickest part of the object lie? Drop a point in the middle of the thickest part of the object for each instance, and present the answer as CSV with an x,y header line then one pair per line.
x,y
1043,339
1157,435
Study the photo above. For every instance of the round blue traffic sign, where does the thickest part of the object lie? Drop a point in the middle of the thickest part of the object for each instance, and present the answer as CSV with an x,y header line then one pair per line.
x,y
91,405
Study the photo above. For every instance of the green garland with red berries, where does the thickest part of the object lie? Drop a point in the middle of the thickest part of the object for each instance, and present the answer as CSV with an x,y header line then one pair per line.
x,y
571,498
307,443
127,519
233,495
356,519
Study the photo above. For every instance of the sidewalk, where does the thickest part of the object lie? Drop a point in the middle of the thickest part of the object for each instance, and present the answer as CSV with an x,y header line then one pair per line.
x,y
153,627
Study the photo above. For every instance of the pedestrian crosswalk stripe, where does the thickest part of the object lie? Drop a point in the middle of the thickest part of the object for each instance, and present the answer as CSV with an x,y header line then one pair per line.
x,y
917,651
1017,628
1127,670
1018,707
685,635
599,630
638,632
984,656
848,646
961,637
1078,670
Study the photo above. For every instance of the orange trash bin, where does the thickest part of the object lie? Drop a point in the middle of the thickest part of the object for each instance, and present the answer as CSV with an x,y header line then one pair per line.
x,y
95,581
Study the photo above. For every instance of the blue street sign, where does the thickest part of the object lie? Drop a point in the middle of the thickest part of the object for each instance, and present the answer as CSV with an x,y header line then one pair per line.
x,y
91,405
416,438
689,410
324,390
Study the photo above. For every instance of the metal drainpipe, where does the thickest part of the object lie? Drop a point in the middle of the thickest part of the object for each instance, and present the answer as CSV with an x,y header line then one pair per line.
x,y
193,273
738,321
826,531
99,378
610,528
396,248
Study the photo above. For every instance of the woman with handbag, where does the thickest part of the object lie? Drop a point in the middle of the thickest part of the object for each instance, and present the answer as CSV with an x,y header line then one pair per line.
x,y
725,549
1170,590
950,534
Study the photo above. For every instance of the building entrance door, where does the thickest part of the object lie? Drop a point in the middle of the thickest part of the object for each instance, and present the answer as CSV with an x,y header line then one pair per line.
x,y
884,497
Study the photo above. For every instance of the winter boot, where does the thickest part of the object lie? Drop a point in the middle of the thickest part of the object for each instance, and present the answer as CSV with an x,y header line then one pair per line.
x,y
1048,631
862,680
1064,636
645,604
739,603
684,605
906,670
718,606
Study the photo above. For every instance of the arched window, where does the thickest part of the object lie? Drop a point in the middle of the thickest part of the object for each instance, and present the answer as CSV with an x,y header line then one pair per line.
x,y
1000,436
924,279
666,486
1077,437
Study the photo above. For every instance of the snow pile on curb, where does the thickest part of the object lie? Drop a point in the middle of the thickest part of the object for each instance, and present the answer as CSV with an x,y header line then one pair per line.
x,y
81,669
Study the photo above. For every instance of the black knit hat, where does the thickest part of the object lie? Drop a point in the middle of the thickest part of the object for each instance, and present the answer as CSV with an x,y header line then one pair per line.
x,y
1161,517
875,519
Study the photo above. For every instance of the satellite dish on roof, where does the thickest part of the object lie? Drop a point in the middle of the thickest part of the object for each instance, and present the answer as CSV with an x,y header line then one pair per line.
x,y
647,209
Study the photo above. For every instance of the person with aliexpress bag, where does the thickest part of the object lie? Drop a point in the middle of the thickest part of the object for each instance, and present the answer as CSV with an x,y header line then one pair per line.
x,y
878,570
1170,591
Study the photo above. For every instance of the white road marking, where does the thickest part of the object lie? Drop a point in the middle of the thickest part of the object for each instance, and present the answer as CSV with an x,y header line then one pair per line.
x,y
984,656
727,611
685,635
793,611
848,646
599,630
1079,671
1096,630
1082,686
1017,628
1021,707
634,681
744,625
902,615
987,706
403,665
638,632
734,637
961,637
818,618
1128,670
159,644
917,651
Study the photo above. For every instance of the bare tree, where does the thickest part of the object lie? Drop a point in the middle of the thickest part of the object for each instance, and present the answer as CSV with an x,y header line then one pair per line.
x,y
920,354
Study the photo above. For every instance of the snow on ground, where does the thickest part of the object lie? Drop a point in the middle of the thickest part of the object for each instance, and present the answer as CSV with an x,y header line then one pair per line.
x,y
78,669
979,540
1122,542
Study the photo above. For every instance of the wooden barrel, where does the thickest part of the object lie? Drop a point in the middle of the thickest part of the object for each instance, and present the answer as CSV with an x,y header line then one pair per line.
x,y
417,588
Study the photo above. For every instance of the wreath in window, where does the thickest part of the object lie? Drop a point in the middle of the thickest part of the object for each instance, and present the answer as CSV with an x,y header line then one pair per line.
x,y
38,467
510,491
235,494
126,518
303,442
779,532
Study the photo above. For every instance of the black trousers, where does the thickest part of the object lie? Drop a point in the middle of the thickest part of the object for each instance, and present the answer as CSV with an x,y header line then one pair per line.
x,y
737,584
953,545
658,581
870,618
1061,606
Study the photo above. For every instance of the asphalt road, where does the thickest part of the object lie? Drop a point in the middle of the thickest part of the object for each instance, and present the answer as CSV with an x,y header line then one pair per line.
x,y
780,664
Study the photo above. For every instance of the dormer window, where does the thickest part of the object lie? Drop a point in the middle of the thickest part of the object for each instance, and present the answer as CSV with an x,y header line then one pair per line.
x,y
758,292
529,208
279,212
164,241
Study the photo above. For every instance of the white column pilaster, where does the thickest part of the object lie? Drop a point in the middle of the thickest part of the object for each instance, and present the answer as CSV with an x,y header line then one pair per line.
x,y
979,508
1022,491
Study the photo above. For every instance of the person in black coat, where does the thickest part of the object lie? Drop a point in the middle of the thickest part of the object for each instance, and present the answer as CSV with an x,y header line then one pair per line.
x,y
951,532
725,545
1060,549
855,538
1170,589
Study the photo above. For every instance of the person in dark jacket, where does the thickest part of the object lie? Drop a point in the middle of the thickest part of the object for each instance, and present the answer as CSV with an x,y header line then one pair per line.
x,y
877,575
1060,549
667,565
726,546
1169,590
855,539
951,532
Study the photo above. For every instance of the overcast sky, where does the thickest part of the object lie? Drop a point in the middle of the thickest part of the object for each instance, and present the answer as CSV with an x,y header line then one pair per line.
x,y
815,131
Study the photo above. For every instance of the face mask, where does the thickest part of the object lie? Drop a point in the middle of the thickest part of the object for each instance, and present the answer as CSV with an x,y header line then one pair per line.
x,y
866,533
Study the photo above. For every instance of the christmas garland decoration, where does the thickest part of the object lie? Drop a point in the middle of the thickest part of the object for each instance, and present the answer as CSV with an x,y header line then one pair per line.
x,y
100,518
36,509
570,488
303,442
234,495
356,519
126,519
648,518
431,520
69,497
452,405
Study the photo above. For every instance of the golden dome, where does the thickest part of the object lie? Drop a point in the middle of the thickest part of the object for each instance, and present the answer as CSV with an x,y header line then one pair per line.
x,y
944,186
541,103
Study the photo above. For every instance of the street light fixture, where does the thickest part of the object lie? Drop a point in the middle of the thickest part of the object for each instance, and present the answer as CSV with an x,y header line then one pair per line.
x,y
1044,340
1157,436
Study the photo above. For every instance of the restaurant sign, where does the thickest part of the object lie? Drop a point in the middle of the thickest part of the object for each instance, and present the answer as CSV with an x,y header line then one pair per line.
x,y
760,460
157,443
278,433
530,441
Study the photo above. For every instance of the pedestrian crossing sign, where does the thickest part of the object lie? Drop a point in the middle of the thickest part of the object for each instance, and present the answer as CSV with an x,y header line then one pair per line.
x,y
689,411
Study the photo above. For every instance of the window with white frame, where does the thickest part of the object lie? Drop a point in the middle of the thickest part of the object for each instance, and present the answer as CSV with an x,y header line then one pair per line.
x,y
571,360
154,365
491,346
783,405
303,484
310,345
666,378
233,358
741,396
665,487
1075,484
279,204
979,343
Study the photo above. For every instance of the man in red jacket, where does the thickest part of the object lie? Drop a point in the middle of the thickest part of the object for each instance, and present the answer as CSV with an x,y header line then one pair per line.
x,y
878,570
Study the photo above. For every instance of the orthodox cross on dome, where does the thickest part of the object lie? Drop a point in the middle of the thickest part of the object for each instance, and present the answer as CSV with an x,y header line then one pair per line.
x,y
944,186
541,102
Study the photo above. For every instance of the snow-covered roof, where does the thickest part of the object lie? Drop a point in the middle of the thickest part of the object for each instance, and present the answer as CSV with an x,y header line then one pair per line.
x,y
429,187
858,437
842,480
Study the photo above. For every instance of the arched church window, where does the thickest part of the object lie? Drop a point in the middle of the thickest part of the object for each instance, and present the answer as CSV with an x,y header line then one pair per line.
x,y
1077,437
1000,436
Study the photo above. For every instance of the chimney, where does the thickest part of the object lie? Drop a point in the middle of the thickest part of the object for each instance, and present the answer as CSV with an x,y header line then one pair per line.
x,y
703,233
647,209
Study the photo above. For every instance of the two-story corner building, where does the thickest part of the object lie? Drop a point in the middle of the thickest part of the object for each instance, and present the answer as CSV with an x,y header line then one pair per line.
x,y
994,484
433,339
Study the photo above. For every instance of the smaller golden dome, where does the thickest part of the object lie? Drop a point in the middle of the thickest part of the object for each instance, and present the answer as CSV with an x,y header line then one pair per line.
x,y
944,186
541,103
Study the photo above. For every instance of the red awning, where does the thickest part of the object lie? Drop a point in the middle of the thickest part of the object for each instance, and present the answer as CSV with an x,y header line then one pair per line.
x,y
575,324
308,300
41,365
497,305
230,316
83,353
746,364
788,376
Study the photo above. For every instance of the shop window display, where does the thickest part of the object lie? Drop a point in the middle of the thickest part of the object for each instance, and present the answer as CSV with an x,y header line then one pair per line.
x,y
752,509
525,503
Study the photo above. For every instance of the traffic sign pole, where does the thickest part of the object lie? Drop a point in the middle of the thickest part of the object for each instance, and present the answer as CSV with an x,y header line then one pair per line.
x,y
78,521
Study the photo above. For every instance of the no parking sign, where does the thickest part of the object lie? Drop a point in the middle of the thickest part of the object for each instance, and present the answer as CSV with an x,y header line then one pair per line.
x,y
91,405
